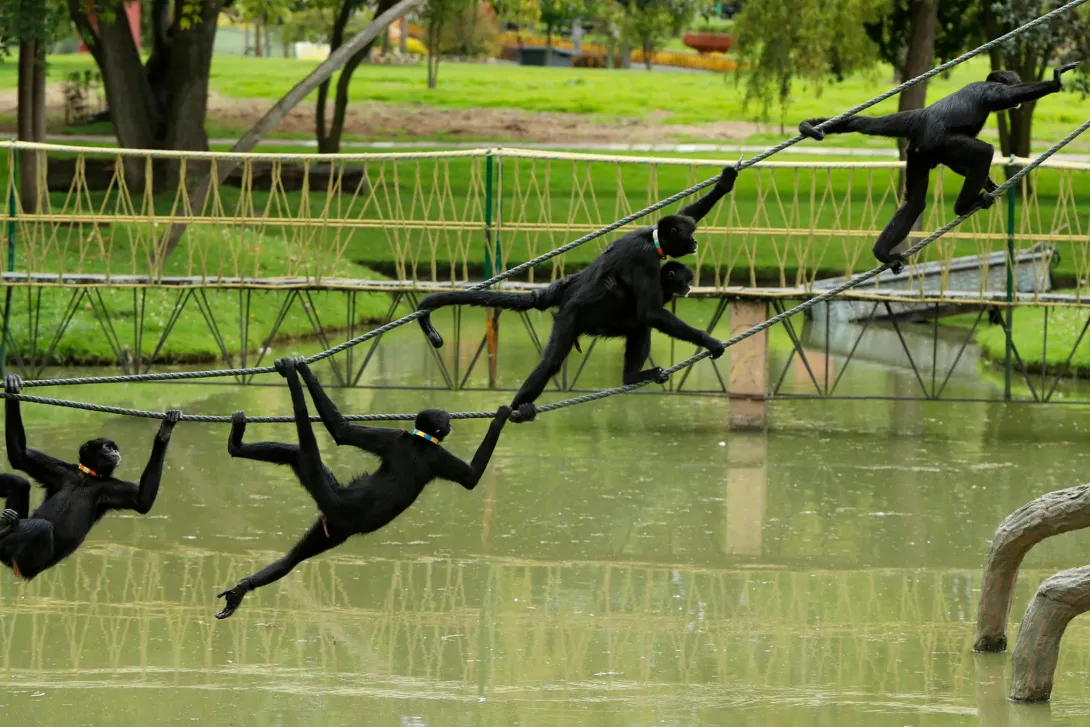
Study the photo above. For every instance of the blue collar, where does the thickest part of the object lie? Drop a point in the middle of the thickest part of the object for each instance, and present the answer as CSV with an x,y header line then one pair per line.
x,y
655,239
425,435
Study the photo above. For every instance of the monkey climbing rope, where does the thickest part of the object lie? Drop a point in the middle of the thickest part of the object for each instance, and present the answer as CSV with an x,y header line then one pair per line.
x,y
853,282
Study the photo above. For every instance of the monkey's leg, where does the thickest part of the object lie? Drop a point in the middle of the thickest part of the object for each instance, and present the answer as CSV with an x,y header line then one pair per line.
x,y
272,452
28,549
917,177
637,348
320,538
972,159
313,475
16,491
561,340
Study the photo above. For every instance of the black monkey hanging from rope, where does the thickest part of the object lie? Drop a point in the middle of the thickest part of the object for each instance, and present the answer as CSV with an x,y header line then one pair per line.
x,y
619,294
943,133
368,502
77,494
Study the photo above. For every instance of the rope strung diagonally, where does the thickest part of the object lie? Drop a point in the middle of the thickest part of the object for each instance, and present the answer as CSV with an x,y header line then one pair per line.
x,y
810,303
215,373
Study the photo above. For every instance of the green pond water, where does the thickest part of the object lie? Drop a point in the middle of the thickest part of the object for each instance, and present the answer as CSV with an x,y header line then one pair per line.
x,y
626,563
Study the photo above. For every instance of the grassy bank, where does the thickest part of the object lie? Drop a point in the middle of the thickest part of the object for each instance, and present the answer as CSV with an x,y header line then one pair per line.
x,y
602,96
1027,332
86,340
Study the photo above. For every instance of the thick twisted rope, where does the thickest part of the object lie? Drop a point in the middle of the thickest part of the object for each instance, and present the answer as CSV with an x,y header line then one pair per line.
x,y
605,393
251,371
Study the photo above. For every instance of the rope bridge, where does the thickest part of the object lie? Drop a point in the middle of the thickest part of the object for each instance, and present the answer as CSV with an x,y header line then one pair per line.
x,y
525,266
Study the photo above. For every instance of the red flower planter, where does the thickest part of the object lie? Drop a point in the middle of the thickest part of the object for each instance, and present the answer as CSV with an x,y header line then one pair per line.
x,y
708,42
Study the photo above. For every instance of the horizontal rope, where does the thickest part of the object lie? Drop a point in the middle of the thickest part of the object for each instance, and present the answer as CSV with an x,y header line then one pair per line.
x,y
243,156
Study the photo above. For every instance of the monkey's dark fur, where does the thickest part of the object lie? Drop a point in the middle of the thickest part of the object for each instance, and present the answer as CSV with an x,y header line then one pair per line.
x,y
368,502
619,291
75,499
943,133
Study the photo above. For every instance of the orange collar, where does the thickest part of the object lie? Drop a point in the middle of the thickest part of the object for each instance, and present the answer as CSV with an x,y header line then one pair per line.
x,y
87,470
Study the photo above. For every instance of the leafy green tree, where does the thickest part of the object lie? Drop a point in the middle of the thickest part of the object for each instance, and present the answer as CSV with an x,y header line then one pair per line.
x,y
33,25
523,13
781,41
1030,54
558,14
161,103
264,14
650,23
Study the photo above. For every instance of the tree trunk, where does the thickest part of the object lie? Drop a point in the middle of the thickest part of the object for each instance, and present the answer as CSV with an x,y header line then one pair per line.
x,y
1051,514
626,54
919,58
257,39
403,44
191,62
329,142
548,45
1033,661
31,120
290,100
647,47
246,39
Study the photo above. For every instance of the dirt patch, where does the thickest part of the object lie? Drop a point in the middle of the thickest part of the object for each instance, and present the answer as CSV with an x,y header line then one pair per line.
x,y
377,120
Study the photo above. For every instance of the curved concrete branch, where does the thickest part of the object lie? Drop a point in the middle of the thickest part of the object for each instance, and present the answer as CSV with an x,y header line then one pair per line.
x,y
1033,663
1048,515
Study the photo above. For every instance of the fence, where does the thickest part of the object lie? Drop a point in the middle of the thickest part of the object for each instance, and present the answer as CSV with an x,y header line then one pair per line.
x,y
424,218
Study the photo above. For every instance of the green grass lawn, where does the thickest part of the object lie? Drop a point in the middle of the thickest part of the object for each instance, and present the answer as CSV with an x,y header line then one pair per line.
x,y
1028,326
602,95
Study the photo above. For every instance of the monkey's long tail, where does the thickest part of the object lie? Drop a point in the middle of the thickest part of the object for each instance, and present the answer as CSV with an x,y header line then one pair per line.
x,y
478,298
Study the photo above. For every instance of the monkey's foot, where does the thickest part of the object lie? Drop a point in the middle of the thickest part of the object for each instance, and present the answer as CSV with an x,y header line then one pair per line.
x,y
8,520
659,375
234,598
895,260
525,413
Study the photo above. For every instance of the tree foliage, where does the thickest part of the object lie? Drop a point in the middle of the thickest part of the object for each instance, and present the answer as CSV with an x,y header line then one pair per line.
x,y
1030,54
957,30
40,20
650,23
784,40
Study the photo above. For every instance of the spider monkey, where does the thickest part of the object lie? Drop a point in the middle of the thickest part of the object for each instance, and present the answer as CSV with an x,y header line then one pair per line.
x,y
76,495
619,291
943,133
676,280
409,462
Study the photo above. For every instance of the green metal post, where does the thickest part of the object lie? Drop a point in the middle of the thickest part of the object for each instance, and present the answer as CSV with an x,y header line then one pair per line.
x,y
491,322
13,175
1012,199
489,263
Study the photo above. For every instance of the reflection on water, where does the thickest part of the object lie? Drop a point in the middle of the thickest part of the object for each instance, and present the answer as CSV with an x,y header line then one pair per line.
x,y
624,563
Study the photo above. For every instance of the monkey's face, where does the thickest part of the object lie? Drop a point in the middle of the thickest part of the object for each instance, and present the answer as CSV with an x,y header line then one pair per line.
x,y
676,235
676,280
101,456
435,422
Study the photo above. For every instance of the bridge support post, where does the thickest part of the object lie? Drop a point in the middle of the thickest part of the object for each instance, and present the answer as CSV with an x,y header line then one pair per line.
x,y
748,362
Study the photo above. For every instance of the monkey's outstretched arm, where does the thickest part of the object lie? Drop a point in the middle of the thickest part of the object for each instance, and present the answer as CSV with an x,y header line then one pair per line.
x,y
469,474
39,465
698,209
